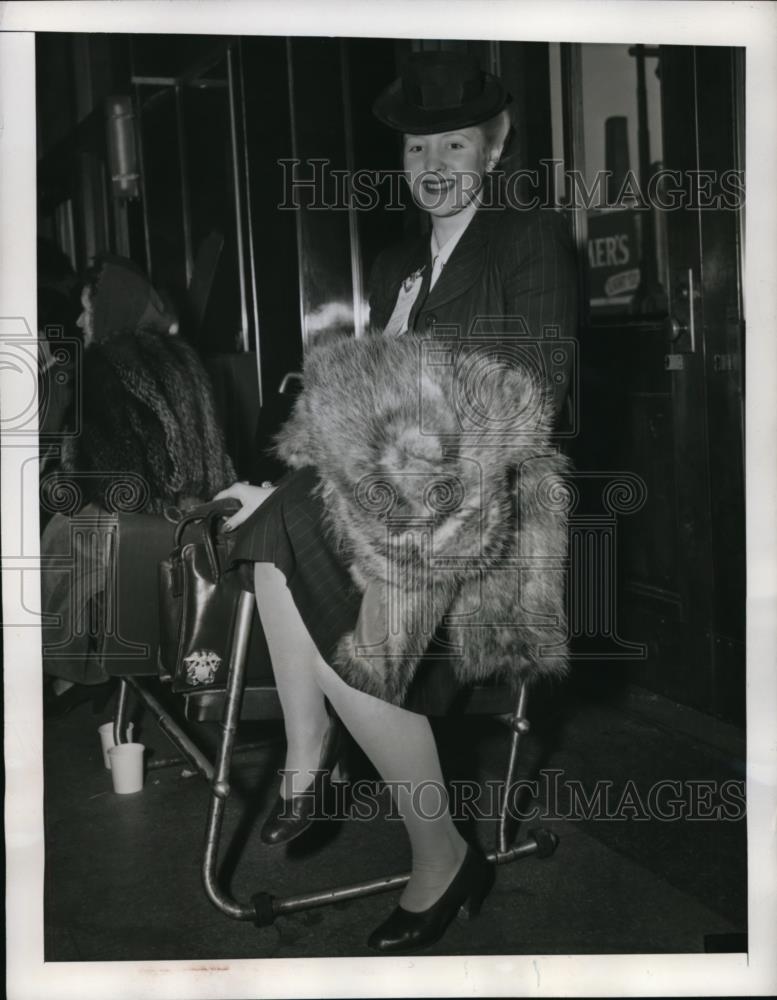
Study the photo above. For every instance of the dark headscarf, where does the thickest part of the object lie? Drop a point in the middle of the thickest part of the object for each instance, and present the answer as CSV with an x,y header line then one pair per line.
x,y
124,300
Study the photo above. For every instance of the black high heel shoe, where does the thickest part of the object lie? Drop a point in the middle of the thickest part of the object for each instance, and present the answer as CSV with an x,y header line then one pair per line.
x,y
291,817
407,931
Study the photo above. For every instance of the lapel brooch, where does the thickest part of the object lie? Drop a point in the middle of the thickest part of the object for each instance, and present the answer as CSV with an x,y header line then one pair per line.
x,y
411,279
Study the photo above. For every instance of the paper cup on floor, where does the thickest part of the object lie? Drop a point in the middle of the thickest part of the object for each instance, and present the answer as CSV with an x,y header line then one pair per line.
x,y
106,740
127,767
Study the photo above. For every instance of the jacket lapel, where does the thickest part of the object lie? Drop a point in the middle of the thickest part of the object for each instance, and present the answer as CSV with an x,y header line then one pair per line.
x,y
465,263
415,256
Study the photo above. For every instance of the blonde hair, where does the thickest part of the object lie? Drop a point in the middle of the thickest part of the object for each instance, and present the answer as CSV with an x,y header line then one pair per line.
x,y
495,132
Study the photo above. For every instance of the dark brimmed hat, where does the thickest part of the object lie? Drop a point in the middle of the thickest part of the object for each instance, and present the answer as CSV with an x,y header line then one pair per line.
x,y
438,92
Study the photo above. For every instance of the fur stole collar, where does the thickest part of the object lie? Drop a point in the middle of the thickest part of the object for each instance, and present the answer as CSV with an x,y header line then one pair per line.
x,y
440,482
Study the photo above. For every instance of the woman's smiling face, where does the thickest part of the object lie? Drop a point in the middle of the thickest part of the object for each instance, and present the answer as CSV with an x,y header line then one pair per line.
x,y
445,170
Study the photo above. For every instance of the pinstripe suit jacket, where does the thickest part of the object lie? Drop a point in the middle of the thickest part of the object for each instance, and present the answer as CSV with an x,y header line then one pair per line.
x,y
511,277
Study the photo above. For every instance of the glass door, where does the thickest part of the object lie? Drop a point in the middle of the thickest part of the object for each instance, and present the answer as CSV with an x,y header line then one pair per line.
x,y
653,180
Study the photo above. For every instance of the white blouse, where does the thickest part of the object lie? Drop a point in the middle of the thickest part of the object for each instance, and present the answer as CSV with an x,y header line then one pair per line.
x,y
411,286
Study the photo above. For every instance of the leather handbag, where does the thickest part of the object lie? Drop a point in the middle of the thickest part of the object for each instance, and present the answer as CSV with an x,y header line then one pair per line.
x,y
198,603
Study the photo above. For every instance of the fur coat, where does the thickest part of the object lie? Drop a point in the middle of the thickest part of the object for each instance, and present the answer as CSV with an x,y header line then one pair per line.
x,y
147,424
442,488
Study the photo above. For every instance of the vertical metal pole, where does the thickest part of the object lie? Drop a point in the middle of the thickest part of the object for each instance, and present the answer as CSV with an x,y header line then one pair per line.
x,y
649,262
220,789
250,224
108,213
241,268
89,210
138,104
357,281
519,725
143,188
120,718
184,174
643,134
574,156
298,212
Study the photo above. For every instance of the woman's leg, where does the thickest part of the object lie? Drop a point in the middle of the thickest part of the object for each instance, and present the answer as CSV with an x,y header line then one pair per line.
x,y
401,746
293,656
399,743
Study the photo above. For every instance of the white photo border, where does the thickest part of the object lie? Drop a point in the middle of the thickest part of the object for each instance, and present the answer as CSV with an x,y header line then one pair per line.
x,y
627,21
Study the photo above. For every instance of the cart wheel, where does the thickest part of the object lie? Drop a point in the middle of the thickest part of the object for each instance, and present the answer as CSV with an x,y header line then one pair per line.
x,y
545,840
263,908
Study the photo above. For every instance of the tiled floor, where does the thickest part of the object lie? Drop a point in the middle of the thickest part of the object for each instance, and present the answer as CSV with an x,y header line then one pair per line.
x,y
123,880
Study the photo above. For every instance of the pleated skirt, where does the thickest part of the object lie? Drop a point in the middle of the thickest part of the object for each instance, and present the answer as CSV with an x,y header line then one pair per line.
x,y
289,530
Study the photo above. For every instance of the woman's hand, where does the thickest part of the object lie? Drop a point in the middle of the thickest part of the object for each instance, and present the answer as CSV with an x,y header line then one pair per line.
x,y
251,497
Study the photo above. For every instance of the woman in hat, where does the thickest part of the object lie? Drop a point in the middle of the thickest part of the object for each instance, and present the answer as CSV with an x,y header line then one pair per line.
x,y
487,271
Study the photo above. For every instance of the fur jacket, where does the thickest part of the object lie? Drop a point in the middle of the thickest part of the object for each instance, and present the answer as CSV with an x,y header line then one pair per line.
x,y
147,426
446,496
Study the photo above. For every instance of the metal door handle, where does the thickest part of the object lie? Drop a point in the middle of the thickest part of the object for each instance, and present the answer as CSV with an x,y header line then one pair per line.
x,y
674,328
684,297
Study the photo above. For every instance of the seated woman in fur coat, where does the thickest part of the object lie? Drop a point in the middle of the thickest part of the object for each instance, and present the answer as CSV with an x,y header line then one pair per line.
x,y
425,445
145,438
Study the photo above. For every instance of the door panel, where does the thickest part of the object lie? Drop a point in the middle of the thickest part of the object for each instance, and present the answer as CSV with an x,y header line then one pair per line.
x,y
653,570
661,376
